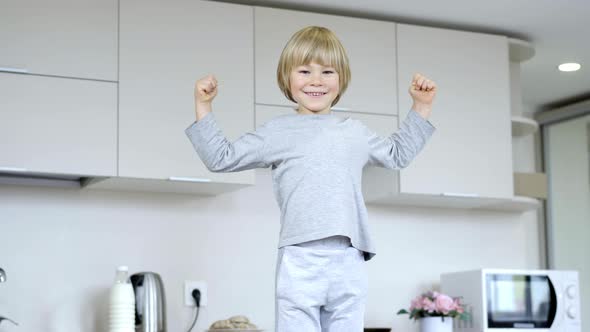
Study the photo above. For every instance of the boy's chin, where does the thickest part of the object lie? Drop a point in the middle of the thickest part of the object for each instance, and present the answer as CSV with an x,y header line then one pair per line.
x,y
318,109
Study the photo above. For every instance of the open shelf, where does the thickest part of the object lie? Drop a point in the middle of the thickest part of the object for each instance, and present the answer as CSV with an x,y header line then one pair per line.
x,y
516,204
522,126
520,50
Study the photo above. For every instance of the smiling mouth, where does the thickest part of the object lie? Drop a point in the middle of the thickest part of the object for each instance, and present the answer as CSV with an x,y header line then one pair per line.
x,y
315,94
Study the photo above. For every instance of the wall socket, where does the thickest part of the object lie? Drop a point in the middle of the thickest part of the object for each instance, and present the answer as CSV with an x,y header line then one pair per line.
x,y
189,285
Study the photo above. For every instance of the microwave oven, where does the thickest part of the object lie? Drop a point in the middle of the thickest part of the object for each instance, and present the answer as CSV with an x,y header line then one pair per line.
x,y
503,300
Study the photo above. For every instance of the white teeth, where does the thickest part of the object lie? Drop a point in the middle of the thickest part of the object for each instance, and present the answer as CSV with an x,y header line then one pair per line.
x,y
315,94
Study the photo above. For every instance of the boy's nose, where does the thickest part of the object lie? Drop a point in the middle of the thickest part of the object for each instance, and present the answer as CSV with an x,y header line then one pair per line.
x,y
316,80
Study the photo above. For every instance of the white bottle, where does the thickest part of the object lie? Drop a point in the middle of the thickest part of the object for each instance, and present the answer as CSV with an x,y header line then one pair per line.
x,y
122,303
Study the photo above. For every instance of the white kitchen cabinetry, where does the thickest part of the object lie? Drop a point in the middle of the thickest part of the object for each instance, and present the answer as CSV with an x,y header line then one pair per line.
x,y
470,153
468,161
60,38
51,126
370,46
164,49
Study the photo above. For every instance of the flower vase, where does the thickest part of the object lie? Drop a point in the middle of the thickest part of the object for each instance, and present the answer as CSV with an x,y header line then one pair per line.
x,y
436,324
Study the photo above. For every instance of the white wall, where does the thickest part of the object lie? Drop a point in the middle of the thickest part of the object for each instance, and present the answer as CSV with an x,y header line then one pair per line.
x,y
60,249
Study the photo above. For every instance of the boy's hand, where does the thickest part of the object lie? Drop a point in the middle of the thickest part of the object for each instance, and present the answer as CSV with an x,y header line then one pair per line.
x,y
205,90
422,91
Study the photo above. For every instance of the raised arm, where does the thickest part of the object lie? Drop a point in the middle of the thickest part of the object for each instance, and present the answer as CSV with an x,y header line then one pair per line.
x,y
400,148
216,152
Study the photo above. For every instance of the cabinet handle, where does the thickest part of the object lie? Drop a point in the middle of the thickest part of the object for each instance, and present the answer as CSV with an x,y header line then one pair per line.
x,y
178,178
13,70
13,169
341,109
459,195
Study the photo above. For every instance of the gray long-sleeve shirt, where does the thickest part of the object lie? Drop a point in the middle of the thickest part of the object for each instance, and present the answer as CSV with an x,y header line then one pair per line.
x,y
317,162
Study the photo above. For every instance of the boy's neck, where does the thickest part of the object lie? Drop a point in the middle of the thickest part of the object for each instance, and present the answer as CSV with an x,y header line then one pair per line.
x,y
307,112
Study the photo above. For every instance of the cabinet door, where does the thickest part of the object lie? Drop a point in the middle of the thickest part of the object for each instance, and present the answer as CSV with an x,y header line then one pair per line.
x,y
370,46
165,48
58,125
470,153
60,38
377,182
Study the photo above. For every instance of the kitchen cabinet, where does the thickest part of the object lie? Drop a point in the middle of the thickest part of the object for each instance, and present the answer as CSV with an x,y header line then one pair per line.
x,y
51,126
467,164
60,38
140,144
383,125
164,50
370,47
381,186
470,153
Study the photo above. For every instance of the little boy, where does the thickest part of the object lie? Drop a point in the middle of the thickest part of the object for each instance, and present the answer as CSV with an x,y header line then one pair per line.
x,y
317,159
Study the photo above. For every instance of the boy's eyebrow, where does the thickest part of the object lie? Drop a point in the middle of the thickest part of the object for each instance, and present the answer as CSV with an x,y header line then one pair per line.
x,y
306,66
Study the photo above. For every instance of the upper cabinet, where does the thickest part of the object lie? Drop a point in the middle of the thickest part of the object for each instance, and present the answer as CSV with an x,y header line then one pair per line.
x,y
60,38
370,46
164,50
470,153
51,126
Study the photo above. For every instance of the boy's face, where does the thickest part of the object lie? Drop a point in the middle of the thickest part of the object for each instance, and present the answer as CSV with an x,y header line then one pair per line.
x,y
314,87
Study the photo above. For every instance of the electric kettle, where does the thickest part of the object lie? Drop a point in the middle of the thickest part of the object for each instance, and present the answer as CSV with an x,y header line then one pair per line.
x,y
150,302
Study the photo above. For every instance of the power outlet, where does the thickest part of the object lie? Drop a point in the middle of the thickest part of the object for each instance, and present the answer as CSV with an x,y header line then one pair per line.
x,y
189,301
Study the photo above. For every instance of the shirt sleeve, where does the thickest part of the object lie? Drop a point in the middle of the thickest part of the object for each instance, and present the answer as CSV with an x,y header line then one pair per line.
x,y
399,149
220,155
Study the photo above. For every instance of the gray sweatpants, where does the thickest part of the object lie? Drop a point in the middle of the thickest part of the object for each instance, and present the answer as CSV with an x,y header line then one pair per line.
x,y
320,286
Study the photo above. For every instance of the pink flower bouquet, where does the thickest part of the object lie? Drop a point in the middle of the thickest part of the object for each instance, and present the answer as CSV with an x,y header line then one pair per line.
x,y
434,304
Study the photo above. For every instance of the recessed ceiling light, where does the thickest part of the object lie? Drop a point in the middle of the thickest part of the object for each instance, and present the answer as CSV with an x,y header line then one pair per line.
x,y
572,66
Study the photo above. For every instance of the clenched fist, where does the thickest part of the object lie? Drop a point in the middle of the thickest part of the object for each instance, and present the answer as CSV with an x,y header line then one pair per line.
x,y
205,90
422,89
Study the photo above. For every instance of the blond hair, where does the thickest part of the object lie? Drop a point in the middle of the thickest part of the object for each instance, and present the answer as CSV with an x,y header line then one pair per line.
x,y
313,44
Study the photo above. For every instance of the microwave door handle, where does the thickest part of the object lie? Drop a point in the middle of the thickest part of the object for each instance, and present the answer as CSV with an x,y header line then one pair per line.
x,y
555,303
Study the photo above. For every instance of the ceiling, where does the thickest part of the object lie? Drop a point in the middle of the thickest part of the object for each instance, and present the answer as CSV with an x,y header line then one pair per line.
x,y
555,28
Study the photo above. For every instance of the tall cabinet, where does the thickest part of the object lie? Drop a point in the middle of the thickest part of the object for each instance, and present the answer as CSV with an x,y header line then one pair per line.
x,y
164,50
58,89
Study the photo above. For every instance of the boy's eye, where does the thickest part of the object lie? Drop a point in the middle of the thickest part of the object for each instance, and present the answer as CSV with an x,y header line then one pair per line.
x,y
328,72
304,71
